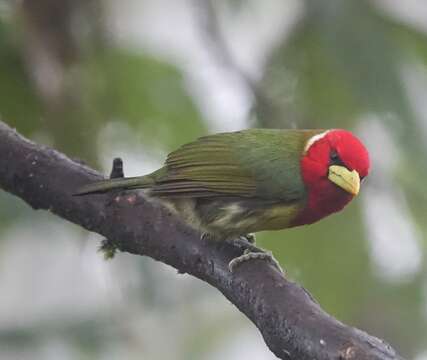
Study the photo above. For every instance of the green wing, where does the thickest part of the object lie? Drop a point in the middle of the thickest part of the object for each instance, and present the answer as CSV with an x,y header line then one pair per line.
x,y
257,163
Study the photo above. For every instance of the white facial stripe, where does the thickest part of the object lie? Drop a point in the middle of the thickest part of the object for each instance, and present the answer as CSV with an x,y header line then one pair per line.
x,y
313,139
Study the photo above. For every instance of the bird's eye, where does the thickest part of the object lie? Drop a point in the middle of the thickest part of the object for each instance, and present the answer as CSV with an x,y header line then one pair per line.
x,y
334,157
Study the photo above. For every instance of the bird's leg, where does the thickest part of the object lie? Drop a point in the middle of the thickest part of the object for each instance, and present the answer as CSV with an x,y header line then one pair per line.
x,y
243,243
251,252
250,238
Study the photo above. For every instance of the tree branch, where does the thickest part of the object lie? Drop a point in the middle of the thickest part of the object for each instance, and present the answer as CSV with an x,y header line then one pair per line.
x,y
292,323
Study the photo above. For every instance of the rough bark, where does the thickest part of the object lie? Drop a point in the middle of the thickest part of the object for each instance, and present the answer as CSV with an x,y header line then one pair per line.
x,y
292,323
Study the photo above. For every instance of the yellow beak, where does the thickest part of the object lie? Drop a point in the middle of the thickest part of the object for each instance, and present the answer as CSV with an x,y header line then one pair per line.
x,y
345,179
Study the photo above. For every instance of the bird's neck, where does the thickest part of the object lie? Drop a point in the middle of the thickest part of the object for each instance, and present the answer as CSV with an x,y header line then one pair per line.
x,y
323,199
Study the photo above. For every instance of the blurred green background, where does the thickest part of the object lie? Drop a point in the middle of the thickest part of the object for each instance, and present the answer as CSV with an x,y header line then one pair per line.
x,y
137,78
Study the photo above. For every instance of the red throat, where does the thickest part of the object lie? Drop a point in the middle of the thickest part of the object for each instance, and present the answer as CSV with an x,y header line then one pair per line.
x,y
323,196
322,201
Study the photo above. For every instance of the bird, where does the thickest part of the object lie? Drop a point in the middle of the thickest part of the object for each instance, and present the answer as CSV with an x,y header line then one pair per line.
x,y
230,185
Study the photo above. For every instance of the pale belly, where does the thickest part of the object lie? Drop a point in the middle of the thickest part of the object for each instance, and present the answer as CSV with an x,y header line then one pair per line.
x,y
228,218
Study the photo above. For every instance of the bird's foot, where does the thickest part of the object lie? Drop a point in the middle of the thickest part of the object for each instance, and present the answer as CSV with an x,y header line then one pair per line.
x,y
108,249
247,244
243,243
248,254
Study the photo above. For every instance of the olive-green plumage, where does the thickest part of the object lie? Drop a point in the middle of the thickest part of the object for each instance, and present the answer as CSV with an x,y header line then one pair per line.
x,y
229,184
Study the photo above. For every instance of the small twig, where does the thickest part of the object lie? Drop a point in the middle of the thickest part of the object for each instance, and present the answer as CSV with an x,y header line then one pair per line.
x,y
117,169
108,248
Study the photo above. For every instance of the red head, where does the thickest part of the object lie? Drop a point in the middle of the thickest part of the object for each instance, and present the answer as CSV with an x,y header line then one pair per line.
x,y
333,165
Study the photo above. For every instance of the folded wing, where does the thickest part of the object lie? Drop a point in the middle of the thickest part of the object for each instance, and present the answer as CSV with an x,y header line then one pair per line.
x,y
251,163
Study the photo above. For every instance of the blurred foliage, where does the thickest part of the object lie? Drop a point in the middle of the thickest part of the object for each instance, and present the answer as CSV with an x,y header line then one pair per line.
x,y
342,61
145,93
106,84
18,100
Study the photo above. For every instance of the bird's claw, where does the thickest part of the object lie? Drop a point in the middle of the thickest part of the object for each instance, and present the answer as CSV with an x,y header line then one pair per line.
x,y
245,244
249,255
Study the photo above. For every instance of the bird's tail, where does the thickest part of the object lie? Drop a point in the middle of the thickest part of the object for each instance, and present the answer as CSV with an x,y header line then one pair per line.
x,y
139,182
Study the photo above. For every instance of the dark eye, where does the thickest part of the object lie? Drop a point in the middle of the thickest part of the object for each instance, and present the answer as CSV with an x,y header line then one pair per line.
x,y
334,157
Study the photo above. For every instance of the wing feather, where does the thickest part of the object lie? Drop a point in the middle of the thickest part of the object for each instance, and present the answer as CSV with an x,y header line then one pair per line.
x,y
250,163
205,168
